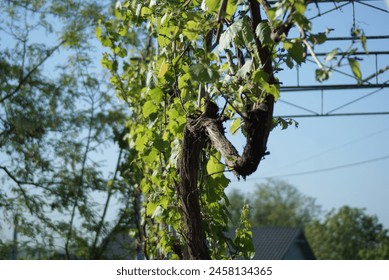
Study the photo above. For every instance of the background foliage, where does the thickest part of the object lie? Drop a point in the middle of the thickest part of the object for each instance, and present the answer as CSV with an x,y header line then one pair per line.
x,y
347,233
57,116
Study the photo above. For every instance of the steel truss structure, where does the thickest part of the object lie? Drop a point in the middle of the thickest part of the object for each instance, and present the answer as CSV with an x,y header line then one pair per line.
x,y
378,82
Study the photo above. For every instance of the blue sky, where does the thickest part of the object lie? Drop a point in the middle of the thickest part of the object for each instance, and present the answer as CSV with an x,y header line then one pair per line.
x,y
333,142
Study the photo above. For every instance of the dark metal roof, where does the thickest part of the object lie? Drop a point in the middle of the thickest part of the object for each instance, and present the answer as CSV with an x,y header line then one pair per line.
x,y
275,243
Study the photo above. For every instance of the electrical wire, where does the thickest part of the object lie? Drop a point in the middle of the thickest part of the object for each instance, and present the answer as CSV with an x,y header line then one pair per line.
x,y
323,169
332,149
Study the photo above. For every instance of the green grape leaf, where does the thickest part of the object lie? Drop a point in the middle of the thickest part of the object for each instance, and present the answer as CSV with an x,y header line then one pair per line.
x,y
322,74
140,143
331,55
149,108
238,32
354,64
318,39
263,32
156,94
213,5
192,30
295,50
364,44
235,125
231,7
202,73
151,207
152,156
214,167
163,69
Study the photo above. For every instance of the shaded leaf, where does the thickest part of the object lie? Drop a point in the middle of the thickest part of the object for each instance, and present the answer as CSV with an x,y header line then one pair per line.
x,y
295,50
322,74
203,73
263,32
318,39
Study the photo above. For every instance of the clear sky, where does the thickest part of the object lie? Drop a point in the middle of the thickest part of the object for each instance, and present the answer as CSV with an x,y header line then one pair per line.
x,y
338,160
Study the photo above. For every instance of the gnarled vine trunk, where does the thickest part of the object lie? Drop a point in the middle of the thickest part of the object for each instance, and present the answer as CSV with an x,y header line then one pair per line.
x,y
192,146
209,125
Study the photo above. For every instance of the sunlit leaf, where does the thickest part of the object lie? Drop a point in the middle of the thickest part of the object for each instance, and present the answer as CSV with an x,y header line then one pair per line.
x,y
152,156
246,68
151,207
331,55
364,44
354,64
163,69
149,108
214,167
235,125
213,5
238,32
231,7
192,30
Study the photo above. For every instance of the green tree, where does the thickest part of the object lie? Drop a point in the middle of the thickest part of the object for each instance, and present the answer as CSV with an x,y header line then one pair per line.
x,y
236,201
277,203
56,116
202,63
348,234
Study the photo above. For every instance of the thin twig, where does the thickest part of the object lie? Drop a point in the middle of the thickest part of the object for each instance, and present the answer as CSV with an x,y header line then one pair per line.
x,y
25,78
107,201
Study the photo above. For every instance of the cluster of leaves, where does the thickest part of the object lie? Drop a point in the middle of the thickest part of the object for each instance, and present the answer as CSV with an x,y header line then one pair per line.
x,y
56,115
296,50
335,58
184,51
161,86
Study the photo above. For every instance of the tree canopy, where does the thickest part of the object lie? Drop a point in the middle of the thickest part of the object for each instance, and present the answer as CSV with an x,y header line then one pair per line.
x,y
349,234
56,116
276,203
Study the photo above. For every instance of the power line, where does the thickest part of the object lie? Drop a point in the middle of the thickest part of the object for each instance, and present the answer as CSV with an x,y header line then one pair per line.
x,y
333,149
324,169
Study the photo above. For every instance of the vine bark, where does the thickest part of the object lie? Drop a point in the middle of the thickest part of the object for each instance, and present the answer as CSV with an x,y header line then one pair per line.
x,y
209,126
